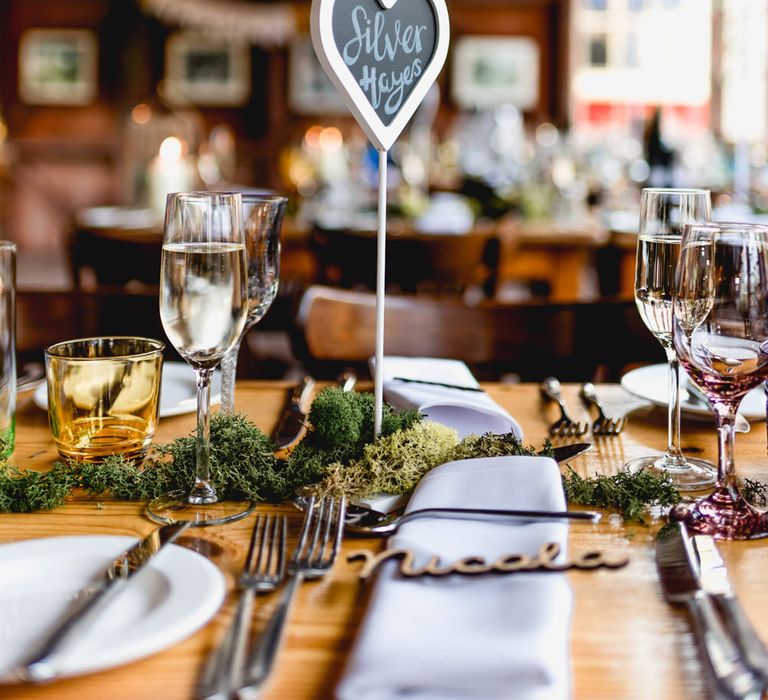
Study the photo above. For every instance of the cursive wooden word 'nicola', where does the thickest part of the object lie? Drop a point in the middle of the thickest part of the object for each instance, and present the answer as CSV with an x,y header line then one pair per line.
x,y
473,566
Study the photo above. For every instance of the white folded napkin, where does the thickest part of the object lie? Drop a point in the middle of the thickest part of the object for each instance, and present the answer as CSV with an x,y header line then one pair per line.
x,y
469,412
492,637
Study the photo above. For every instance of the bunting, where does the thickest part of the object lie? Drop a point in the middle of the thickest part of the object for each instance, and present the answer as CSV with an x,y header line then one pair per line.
x,y
263,25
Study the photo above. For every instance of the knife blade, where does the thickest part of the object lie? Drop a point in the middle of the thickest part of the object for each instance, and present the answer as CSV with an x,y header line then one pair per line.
x,y
292,424
714,580
38,668
678,574
565,452
346,381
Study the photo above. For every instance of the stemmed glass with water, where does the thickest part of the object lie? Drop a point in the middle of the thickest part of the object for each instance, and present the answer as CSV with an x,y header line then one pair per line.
x,y
262,218
663,214
721,337
203,307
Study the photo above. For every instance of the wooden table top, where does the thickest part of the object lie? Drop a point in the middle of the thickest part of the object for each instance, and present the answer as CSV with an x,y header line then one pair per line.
x,y
626,641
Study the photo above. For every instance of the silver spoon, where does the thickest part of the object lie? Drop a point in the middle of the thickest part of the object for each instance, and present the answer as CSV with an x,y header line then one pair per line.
x,y
366,521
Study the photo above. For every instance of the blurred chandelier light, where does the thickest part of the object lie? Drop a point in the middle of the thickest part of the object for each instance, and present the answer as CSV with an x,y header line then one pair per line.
x,y
265,25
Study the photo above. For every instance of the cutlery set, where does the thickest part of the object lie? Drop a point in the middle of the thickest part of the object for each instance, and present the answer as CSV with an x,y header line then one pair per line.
x,y
314,556
232,670
39,667
263,572
235,668
692,573
565,426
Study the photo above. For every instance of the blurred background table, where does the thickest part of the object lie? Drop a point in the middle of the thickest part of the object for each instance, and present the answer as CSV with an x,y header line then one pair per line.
x,y
116,249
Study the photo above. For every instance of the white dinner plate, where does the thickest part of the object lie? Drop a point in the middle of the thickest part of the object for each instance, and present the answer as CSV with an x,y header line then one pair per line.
x,y
652,384
175,595
178,390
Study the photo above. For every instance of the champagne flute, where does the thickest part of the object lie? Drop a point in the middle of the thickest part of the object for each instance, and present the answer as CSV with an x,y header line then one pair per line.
x,y
663,213
203,305
262,219
721,336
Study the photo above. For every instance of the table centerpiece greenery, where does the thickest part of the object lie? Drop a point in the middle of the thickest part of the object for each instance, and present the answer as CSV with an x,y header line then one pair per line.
x,y
338,455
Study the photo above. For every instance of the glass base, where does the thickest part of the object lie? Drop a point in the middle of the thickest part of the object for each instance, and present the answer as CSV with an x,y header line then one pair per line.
x,y
687,474
723,517
175,507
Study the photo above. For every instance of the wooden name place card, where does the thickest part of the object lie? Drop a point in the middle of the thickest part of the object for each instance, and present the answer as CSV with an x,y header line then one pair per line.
x,y
475,566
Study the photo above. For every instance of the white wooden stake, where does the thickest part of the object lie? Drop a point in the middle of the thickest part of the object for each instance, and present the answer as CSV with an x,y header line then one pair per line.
x,y
417,34
381,269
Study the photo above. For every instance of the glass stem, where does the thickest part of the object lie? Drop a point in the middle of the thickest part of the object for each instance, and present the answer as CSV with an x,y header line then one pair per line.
x,y
725,416
673,415
203,492
228,377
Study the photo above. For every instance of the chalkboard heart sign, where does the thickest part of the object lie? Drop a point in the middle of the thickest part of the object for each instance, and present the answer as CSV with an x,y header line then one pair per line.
x,y
383,56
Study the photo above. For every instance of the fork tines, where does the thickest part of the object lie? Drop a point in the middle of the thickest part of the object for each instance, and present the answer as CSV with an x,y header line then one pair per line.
x,y
268,539
321,535
607,426
603,425
568,428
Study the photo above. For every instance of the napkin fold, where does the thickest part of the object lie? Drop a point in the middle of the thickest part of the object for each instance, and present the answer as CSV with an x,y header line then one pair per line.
x,y
494,636
469,412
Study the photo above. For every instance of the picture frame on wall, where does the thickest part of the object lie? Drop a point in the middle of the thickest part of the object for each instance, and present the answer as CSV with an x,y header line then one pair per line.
x,y
207,71
310,90
58,67
490,71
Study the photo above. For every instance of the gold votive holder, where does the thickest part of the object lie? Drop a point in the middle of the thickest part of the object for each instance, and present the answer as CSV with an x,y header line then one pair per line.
x,y
103,396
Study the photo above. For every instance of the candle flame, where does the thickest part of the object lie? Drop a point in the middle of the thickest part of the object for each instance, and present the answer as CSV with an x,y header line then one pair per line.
x,y
171,149
141,114
331,139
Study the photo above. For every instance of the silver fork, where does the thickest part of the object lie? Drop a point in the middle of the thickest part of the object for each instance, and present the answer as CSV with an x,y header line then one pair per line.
x,y
263,571
602,425
564,426
315,553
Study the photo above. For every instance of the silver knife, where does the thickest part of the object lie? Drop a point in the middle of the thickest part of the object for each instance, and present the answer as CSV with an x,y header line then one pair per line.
x,y
565,452
346,381
728,676
713,578
292,424
38,668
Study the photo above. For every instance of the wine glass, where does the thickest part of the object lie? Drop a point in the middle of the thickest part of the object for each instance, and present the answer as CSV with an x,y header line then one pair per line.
x,y
721,337
262,219
663,213
203,305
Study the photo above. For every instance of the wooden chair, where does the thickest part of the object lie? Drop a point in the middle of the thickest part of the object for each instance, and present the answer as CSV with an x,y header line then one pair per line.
x,y
44,318
416,263
576,342
115,259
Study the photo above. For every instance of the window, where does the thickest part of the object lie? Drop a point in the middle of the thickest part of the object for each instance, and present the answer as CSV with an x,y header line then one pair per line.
x,y
595,4
598,50
631,55
635,5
